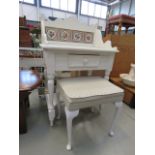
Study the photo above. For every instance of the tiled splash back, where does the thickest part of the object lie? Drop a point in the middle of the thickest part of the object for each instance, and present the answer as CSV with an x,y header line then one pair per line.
x,y
67,35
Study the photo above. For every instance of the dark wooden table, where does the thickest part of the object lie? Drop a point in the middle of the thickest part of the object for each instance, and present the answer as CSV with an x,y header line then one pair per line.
x,y
121,20
28,80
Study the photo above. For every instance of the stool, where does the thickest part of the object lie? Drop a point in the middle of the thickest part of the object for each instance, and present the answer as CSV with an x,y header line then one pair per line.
x,y
84,92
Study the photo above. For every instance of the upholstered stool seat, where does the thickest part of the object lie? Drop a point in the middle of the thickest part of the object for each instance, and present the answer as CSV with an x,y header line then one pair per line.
x,y
86,92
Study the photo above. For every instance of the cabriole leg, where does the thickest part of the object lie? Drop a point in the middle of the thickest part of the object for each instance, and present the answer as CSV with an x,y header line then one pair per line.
x,y
70,115
118,106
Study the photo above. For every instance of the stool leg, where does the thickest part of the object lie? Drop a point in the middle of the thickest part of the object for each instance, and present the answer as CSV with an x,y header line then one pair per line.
x,y
96,109
58,103
118,106
70,115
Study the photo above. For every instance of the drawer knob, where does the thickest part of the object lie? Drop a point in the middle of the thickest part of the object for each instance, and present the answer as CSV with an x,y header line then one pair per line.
x,y
85,61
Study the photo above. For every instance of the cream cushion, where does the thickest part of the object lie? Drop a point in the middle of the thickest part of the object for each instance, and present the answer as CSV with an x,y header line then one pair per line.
x,y
86,89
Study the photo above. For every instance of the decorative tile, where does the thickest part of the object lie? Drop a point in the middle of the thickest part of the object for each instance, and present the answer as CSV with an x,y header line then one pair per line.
x,y
52,33
65,35
77,36
88,37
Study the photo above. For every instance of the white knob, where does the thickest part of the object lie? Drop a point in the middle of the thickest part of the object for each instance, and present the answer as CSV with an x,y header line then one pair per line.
x,y
85,60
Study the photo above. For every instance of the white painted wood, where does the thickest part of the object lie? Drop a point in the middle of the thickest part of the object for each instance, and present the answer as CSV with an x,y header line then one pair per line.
x,y
57,95
70,115
83,61
51,110
68,61
74,24
66,56
69,23
118,106
87,48
96,109
107,74
84,92
85,87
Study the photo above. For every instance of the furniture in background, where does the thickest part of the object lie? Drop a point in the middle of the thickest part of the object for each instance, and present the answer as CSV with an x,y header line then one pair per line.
x,y
29,34
126,56
126,46
32,58
28,80
23,104
69,45
25,39
124,42
129,92
121,20
22,21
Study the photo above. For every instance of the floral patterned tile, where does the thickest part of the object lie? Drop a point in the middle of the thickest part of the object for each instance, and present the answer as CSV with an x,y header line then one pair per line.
x,y
65,35
77,36
88,37
52,33
58,34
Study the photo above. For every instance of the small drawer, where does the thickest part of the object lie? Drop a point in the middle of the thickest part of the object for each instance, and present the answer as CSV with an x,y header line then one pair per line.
x,y
83,60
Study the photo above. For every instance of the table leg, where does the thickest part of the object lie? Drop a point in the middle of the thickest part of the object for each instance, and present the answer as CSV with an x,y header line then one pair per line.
x,y
22,118
49,99
27,102
132,103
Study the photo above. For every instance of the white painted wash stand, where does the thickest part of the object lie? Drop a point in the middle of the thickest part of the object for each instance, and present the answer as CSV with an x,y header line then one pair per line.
x,y
80,47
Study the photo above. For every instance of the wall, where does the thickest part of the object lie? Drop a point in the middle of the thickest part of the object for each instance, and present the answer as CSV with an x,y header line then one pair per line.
x,y
37,13
126,7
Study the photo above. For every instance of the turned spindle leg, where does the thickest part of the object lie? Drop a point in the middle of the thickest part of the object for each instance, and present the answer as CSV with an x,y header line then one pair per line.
x,y
49,99
119,28
51,110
